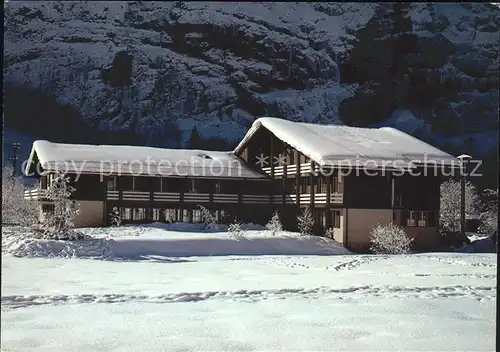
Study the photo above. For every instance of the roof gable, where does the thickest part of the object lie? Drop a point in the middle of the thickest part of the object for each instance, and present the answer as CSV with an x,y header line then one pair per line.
x,y
331,145
135,160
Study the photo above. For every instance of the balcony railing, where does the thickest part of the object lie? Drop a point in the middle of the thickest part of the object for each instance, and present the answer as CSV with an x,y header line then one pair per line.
x,y
305,168
35,194
174,197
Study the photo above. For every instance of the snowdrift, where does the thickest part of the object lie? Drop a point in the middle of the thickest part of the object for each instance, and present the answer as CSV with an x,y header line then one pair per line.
x,y
167,240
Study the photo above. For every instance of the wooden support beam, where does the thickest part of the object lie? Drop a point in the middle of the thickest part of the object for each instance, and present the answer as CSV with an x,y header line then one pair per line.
x,y
328,180
271,156
393,200
105,201
286,157
297,176
151,204
271,160
313,179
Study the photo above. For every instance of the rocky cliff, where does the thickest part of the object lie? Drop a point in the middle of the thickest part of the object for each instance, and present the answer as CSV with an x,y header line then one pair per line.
x,y
159,69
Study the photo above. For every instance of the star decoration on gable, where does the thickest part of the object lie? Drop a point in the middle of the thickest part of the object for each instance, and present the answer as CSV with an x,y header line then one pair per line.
x,y
280,160
262,160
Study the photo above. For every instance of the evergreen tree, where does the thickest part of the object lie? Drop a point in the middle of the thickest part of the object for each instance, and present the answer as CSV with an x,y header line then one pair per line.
x,y
305,222
58,223
194,141
274,225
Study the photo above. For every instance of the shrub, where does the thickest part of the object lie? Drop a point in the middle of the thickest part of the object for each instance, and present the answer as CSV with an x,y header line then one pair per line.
x,y
449,213
305,222
16,209
274,225
389,239
115,218
489,216
330,232
235,231
208,219
58,223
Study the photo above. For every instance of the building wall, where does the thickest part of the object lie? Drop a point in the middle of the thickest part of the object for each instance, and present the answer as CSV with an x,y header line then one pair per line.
x,y
91,214
359,224
423,237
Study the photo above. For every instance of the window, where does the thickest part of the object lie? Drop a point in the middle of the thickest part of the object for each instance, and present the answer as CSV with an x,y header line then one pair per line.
x,y
335,184
125,183
126,213
47,208
422,218
156,184
398,192
412,218
157,214
139,214
320,185
320,218
336,219
112,183
170,215
197,216
141,184
304,185
43,182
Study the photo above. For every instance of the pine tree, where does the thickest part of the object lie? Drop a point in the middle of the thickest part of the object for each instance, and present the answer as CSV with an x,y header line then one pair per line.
x,y
58,223
450,203
274,225
305,222
194,141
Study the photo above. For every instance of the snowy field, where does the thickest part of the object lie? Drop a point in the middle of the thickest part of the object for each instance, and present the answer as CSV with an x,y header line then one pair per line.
x,y
177,289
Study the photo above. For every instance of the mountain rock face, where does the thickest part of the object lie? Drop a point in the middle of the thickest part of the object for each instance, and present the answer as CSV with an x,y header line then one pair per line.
x,y
160,69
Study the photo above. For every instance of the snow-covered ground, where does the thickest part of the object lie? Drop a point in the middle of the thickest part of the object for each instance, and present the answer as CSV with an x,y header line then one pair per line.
x,y
174,288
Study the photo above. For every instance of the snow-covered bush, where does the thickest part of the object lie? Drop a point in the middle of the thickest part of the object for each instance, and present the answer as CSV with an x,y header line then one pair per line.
x,y
115,218
449,213
274,225
330,233
305,222
208,219
489,216
236,231
58,223
16,209
389,239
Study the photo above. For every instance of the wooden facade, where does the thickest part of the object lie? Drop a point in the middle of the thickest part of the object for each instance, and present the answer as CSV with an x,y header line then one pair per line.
x,y
291,182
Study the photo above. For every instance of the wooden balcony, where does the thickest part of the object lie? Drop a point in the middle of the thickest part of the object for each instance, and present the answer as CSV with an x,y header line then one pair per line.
x,y
221,198
201,198
305,169
35,194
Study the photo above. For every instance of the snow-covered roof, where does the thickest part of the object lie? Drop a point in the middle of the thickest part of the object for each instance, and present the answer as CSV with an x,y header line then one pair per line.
x,y
331,145
121,159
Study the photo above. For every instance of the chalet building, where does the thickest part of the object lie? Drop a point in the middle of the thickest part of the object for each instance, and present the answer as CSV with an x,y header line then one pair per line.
x,y
351,178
